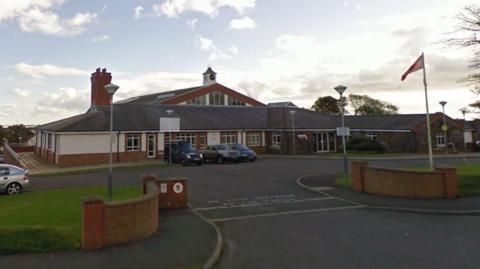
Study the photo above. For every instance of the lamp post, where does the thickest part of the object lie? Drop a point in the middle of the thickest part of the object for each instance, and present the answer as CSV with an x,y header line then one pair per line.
x,y
169,112
464,111
444,127
341,89
292,113
110,89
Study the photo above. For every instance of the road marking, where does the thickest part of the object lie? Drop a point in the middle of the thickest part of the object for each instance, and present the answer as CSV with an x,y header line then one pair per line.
x,y
264,203
295,212
466,160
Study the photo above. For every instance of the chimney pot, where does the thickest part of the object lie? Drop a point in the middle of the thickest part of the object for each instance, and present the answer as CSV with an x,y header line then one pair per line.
x,y
98,70
104,70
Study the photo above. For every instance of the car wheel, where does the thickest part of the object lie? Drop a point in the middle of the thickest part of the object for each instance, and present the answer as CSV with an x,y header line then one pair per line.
x,y
199,163
220,160
13,188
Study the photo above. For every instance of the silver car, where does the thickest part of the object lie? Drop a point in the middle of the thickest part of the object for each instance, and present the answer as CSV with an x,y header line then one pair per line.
x,y
13,179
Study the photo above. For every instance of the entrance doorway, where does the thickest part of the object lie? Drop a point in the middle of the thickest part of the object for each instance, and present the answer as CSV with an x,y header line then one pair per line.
x,y
325,142
151,146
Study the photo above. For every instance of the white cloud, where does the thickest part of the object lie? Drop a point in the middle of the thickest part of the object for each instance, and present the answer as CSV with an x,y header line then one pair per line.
x,y
21,93
174,8
38,16
138,12
40,71
233,50
192,23
207,45
243,23
100,38
65,101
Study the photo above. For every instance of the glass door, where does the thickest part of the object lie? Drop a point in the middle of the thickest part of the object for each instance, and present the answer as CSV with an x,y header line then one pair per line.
x,y
151,146
323,142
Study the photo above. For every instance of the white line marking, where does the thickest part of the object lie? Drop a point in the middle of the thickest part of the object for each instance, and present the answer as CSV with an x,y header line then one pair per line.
x,y
263,203
289,213
466,160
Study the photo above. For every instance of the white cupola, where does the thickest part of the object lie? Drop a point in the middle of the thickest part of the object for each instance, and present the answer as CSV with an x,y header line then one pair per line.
x,y
209,77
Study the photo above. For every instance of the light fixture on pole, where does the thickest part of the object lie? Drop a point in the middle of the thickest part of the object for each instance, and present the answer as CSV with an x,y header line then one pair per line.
x,y
292,113
444,126
341,89
169,112
110,89
464,111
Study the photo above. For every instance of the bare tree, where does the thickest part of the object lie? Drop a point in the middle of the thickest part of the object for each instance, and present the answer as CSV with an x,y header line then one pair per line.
x,y
469,28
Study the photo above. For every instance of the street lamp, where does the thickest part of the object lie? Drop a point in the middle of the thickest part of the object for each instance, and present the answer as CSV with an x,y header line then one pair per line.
x,y
444,127
292,113
110,89
341,89
169,112
464,111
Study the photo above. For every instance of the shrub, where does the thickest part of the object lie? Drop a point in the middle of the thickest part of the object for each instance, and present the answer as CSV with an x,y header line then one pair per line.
x,y
365,144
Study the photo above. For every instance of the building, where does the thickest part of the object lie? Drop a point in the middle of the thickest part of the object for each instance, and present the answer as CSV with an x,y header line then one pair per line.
x,y
213,114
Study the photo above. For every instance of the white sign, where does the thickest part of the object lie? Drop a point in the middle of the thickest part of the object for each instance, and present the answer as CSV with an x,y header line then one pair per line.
x,y
170,124
178,187
343,131
163,188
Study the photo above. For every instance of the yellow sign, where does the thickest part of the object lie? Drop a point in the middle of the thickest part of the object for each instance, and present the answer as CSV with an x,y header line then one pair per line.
x,y
444,127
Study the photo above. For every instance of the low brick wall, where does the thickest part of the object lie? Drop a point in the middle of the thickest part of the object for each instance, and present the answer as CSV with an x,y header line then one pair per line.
x,y
173,192
441,183
22,148
107,223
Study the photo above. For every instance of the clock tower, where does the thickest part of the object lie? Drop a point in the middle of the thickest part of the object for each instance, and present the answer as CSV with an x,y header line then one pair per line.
x,y
209,77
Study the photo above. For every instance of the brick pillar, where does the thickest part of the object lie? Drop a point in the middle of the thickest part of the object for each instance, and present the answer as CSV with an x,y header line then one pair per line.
x,y
173,193
145,180
450,180
357,175
93,228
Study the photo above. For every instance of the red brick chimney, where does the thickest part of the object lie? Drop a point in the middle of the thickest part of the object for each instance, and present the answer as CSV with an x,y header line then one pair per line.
x,y
99,79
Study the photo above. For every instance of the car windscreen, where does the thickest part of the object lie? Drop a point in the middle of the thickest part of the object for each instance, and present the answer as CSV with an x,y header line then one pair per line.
x,y
185,147
222,147
239,147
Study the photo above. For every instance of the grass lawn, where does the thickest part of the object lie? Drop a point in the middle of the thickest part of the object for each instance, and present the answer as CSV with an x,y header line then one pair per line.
x,y
368,154
103,169
46,221
468,175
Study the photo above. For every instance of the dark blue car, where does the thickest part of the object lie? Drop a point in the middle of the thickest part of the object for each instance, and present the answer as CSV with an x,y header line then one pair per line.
x,y
245,152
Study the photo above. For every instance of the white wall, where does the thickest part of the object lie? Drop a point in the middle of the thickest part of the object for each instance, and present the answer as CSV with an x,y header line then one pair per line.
x,y
213,138
85,143
160,141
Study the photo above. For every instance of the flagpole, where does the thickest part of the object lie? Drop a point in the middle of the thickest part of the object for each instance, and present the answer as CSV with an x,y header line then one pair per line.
x,y
429,133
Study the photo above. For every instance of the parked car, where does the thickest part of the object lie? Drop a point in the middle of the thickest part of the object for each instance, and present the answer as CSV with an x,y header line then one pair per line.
x,y
220,154
245,152
13,179
182,152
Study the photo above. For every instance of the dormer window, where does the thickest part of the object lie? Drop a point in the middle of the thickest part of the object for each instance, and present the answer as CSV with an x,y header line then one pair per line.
x,y
216,99
199,100
234,102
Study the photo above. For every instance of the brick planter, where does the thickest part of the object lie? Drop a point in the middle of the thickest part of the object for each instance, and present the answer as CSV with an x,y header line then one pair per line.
x,y
173,191
441,183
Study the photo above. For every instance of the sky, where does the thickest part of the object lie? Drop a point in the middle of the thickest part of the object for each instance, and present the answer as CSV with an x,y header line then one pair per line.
x,y
271,50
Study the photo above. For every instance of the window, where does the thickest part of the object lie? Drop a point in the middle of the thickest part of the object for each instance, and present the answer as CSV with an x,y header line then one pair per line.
x,y
440,139
216,99
228,138
234,102
276,139
133,142
188,137
4,171
254,139
199,100
371,136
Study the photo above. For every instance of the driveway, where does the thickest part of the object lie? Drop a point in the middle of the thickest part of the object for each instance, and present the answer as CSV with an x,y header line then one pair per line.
x,y
269,222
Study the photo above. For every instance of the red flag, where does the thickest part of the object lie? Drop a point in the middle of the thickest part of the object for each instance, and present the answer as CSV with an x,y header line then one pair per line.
x,y
417,65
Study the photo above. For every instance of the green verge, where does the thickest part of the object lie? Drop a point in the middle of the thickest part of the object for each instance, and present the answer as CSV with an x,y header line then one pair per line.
x,y
103,169
46,221
468,175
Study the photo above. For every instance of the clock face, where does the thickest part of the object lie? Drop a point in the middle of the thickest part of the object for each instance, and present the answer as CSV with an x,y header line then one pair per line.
x,y
212,77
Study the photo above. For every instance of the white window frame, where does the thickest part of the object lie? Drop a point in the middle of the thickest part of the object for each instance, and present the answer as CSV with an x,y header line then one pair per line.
x,y
254,138
232,101
276,138
132,138
216,98
228,138
188,137
440,139
371,136
199,100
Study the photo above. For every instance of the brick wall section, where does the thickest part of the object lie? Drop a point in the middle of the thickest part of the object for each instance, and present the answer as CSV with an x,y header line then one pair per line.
x,y
173,191
106,223
67,160
22,148
441,183
10,156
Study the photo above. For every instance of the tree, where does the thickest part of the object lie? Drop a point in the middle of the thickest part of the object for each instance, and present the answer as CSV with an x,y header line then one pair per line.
x,y
18,133
2,135
469,29
326,104
366,105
